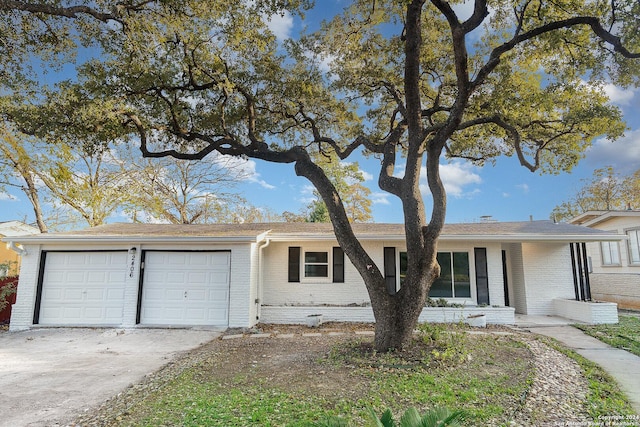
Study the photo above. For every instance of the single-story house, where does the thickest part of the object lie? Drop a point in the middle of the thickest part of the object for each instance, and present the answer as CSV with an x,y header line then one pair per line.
x,y
236,275
615,265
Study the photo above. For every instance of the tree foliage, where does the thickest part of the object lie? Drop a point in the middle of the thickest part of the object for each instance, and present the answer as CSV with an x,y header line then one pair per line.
x,y
409,81
606,190
347,179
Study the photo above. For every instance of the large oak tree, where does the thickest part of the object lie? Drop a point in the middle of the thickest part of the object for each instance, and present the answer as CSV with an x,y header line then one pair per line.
x,y
414,80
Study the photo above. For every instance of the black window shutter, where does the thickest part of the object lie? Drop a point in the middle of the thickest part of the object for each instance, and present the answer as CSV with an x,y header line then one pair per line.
x,y
338,265
294,264
482,276
390,269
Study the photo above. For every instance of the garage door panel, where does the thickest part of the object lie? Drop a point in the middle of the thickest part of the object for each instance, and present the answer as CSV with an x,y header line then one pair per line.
x,y
83,289
197,295
193,286
70,295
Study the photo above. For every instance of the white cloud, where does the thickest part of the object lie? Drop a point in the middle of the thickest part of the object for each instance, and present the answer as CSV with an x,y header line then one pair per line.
x,y
623,154
280,24
8,197
455,176
366,175
248,170
523,187
617,95
380,198
307,194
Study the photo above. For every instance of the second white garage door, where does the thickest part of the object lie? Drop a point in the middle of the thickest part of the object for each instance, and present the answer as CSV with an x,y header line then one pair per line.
x,y
185,288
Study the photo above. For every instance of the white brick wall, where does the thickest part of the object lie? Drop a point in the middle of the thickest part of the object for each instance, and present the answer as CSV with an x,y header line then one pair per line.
x,y
298,315
515,271
22,310
130,309
588,312
278,291
548,275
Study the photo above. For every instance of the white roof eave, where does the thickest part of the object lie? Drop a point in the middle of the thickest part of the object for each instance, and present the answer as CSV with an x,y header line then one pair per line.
x,y
134,239
511,238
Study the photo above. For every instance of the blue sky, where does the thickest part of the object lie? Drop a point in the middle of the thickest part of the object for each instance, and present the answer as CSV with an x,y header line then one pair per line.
x,y
506,191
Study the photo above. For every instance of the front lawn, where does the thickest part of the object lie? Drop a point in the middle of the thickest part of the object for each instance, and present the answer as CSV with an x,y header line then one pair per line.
x,y
624,335
305,380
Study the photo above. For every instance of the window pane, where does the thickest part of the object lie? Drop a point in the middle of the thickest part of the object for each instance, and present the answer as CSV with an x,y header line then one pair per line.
x,y
461,279
442,287
312,270
316,264
314,257
606,254
634,245
610,254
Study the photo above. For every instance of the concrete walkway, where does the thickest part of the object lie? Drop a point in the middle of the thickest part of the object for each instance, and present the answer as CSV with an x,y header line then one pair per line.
x,y
623,366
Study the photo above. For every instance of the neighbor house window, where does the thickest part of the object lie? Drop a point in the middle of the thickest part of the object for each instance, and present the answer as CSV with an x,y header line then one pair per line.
x,y
610,253
454,280
634,246
316,264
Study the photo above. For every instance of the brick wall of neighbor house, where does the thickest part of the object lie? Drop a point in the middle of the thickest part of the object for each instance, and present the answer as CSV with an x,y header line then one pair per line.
x,y
8,256
22,311
515,273
548,275
623,289
616,225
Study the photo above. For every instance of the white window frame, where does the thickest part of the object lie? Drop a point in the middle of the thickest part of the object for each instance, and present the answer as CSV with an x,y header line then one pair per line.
x,y
633,246
610,254
327,264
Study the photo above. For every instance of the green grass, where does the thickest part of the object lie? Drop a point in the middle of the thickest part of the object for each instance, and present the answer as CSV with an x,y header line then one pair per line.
x,y
487,376
624,335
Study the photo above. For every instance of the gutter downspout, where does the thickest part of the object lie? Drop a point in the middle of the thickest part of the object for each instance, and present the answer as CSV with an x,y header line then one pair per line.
x,y
258,300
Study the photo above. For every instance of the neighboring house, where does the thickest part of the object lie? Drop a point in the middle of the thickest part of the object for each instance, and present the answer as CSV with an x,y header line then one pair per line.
x,y
9,258
615,275
236,275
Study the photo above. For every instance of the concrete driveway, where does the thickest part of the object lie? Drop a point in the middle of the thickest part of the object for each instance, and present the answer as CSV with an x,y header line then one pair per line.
x,y
49,376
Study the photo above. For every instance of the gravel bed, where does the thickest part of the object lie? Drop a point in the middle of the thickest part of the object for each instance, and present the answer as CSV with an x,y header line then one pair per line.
x,y
558,392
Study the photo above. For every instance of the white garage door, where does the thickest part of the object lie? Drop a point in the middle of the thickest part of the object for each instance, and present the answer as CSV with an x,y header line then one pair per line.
x,y
83,288
185,288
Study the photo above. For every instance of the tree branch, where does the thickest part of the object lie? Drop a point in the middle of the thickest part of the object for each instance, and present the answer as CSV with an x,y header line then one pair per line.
x,y
66,12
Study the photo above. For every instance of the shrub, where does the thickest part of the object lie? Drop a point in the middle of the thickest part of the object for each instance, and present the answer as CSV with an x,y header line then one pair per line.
x,y
437,417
